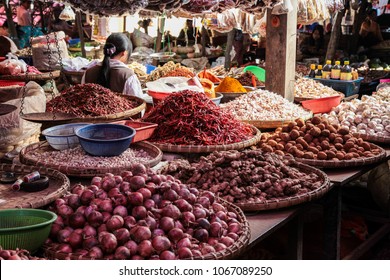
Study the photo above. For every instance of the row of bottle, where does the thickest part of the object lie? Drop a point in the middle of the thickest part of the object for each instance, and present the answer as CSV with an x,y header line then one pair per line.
x,y
335,72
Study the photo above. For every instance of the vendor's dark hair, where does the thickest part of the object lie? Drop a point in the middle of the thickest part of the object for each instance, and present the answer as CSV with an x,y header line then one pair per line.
x,y
320,29
115,44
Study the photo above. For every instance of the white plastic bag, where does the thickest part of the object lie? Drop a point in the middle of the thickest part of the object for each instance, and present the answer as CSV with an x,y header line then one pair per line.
x,y
12,65
67,14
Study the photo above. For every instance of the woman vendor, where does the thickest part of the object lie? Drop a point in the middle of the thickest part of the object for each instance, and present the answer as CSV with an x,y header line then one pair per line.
x,y
25,23
113,72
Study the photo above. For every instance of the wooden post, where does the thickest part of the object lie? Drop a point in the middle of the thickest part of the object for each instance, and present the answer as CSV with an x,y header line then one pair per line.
x,y
81,33
203,40
229,46
281,52
11,25
160,30
335,36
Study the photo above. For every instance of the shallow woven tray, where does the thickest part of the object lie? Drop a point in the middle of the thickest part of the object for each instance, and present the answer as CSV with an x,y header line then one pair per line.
x,y
229,253
373,138
346,163
274,123
292,200
32,77
209,149
51,119
58,185
85,172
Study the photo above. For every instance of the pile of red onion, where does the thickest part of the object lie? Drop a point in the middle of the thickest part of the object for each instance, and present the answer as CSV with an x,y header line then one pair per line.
x,y
141,215
17,254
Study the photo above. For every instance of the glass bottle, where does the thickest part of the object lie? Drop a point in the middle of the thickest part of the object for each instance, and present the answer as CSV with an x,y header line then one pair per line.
x,y
327,69
346,72
312,72
319,72
336,71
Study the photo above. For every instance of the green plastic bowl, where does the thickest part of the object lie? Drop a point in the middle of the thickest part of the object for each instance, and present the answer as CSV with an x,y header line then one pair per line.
x,y
257,71
25,228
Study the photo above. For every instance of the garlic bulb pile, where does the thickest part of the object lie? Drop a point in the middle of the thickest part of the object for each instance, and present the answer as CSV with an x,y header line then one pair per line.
x,y
369,116
309,88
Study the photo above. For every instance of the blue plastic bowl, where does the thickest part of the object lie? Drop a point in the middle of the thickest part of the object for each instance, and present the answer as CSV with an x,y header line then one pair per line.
x,y
105,139
217,99
149,68
61,137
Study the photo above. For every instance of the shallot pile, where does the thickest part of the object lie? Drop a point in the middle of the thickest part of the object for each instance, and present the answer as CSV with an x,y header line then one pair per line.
x,y
17,254
190,118
247,176
141,215
90,100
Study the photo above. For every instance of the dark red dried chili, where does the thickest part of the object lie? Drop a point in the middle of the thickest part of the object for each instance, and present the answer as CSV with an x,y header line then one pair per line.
x,y
190,118
89,100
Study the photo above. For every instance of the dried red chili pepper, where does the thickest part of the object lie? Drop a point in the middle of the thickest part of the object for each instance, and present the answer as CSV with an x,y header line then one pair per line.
x,y
190,118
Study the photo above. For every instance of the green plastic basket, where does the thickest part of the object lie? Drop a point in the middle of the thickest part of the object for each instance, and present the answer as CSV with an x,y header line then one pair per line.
x,y
25,228
257,71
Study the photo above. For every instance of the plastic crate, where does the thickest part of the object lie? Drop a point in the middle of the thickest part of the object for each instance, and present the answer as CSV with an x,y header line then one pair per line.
x,y
347,87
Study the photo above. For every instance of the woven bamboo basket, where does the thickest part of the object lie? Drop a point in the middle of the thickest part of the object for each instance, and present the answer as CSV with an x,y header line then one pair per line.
x,y
49,119
74,77
58,185
273,123
209,149
373,138
87,172
346,163
292,200
33,77
229,253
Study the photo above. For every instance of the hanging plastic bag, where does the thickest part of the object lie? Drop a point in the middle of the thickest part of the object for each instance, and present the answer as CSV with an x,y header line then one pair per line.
x,y
67,14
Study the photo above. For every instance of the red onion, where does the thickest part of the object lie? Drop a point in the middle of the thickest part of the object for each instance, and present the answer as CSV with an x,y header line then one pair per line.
x,y
93,188
81,252
183,205
156,179
135,198
137,257
217,207
203,223
118,179
90,242
212,241
97,181
95,219
207,249
113,192
105,206
64,248
196,253
158,232
64,211
192,199
151,222
86,197
74,201
89,231
120,199
126,173
216,229
146,193
108,243
95,253
106,216
140,233
122,253
124,187
201,234
161,243
89,209
209,195
137,182
199,213
75,240
170,195
184,193
122,235
222,215
204,201
132,246
175,235
78,189
227,241
166,223
139,212
233,235
167,255
232,215
58,202
171,211
121,211
102,228
114,223
184,242
234,227
59,221
145,248
184,253
188,218
174,185
55,228
157,198
149,204
129,222
194,191
179,225
77,220
108,183
220,247
63,235
81,209
138,168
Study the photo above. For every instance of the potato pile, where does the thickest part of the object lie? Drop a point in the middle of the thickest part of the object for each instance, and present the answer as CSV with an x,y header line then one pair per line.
x,y
317,139
369,116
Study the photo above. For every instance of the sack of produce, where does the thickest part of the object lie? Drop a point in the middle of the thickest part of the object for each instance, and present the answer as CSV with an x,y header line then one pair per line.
x,y
378,184
140,39
41,51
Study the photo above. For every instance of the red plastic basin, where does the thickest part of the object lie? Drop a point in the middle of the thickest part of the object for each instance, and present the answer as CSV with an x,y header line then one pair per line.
x,y
322,105
144,130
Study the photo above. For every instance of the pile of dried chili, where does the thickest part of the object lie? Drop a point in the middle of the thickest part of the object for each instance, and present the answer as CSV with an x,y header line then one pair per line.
x,y
190,118
90,100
